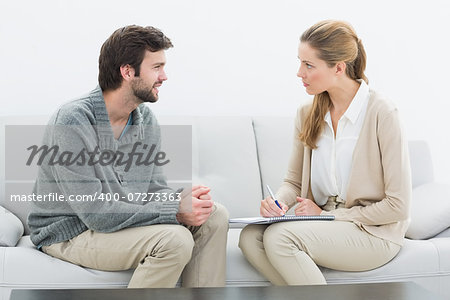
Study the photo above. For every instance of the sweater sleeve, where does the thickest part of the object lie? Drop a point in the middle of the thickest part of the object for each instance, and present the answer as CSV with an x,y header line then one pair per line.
x,y
83,181
394,207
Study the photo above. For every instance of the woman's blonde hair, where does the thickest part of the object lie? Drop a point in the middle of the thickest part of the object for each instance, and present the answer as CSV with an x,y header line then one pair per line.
x,y
334,41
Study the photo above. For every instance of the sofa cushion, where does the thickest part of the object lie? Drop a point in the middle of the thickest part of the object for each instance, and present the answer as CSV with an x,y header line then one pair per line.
x,y
445,233
9,187
404,267
430,210
274,137
11,228
44,271
224,158
417,261
421,163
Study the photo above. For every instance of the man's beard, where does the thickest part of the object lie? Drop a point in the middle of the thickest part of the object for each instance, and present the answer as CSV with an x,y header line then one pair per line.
x,y
143,92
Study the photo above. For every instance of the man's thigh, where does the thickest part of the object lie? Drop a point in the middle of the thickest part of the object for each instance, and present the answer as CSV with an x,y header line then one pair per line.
x,y
120,250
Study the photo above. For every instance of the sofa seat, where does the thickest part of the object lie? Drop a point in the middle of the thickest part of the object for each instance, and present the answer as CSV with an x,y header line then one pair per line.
x,y
26,267
22,266
418,261
421,261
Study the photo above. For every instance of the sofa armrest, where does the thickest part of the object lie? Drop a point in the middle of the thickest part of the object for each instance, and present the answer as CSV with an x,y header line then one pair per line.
x,y
11,228
430,211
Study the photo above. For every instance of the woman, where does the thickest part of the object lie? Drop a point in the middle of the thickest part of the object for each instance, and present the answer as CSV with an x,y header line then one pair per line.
x,y
349,159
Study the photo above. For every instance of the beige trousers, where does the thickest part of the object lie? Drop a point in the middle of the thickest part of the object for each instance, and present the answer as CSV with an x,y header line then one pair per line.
x,y
158,253
288,253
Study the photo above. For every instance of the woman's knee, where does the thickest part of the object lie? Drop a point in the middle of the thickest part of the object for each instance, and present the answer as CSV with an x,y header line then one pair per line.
x,y
251,237
279,238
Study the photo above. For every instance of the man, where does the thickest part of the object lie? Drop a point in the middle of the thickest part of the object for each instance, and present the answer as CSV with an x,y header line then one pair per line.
x,y
98,225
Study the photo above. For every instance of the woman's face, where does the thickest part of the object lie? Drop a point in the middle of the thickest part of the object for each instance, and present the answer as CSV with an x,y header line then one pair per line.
x,y
316,75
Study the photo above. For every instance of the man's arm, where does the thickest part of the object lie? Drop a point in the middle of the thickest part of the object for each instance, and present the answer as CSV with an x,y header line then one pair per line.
x,y
86,181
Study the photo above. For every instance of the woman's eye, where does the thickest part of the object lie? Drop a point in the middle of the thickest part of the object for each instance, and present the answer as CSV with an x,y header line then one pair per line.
x,y
309,66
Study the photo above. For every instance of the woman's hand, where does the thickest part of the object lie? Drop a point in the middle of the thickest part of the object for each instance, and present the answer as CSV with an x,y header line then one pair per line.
x,y
307,207
270,209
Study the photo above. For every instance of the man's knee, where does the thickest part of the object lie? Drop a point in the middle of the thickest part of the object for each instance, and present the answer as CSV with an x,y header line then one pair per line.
x,y
219,218
177,240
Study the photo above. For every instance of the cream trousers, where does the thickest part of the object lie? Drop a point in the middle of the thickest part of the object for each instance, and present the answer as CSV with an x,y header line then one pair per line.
x,y
158,253
289,253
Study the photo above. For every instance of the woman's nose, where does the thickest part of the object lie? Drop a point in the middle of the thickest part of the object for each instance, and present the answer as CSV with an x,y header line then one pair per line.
x,y
300,73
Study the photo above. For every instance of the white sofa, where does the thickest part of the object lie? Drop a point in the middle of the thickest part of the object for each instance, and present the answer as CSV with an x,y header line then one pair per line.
x,y
236,157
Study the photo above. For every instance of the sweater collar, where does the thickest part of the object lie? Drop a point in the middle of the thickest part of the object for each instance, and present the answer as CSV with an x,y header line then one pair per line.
x,y
103,124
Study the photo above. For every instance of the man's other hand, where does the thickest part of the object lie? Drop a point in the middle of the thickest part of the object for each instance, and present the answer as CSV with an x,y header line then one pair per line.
x,y
195,206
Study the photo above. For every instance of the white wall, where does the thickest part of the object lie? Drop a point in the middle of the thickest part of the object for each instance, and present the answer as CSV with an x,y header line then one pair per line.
x,y
233,57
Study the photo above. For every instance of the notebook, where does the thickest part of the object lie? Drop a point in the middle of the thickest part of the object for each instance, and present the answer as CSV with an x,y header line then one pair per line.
x,y
262,220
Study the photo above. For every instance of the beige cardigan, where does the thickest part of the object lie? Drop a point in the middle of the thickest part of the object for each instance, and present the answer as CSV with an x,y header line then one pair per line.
x,y
379,188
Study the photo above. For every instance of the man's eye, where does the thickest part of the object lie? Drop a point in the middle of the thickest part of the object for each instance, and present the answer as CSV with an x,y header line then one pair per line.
x,y
309,66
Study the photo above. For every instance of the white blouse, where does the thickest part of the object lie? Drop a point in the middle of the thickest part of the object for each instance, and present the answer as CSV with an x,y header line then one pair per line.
x,y
331,161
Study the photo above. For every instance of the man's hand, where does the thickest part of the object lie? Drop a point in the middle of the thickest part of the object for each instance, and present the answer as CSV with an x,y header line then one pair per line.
x,y
269,208
307,207
195,206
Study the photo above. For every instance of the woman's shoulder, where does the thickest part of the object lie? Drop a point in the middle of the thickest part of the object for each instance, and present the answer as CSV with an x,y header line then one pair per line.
x,y
304,109
380,104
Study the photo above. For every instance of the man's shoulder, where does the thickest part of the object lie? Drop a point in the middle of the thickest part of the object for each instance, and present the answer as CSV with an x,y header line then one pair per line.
x,y
79,111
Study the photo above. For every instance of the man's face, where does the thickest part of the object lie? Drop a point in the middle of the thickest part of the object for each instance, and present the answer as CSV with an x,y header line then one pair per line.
x,y
145,87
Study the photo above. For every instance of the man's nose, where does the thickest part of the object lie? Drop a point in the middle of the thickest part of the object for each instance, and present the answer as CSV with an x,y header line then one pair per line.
x,y
163,76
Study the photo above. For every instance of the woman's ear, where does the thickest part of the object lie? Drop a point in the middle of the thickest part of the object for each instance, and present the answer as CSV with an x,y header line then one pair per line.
x,y
340,68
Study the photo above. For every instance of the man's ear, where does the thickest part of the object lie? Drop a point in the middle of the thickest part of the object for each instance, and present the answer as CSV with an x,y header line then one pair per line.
x,y
127,72
340,68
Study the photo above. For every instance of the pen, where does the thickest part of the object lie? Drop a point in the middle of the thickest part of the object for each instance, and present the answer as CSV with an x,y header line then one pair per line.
x,y
273,197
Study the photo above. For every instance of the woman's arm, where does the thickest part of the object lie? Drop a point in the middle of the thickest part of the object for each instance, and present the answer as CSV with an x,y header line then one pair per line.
x,y
292,183
394,207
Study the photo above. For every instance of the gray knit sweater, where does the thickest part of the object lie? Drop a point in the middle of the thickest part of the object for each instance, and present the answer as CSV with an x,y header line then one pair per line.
x,y
111,188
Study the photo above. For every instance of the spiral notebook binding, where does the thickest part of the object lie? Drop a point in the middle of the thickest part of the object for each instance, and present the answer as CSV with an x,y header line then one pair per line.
x,y
299,218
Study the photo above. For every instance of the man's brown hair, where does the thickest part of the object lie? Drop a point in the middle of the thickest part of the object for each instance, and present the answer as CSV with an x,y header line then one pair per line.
x,y
127,46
